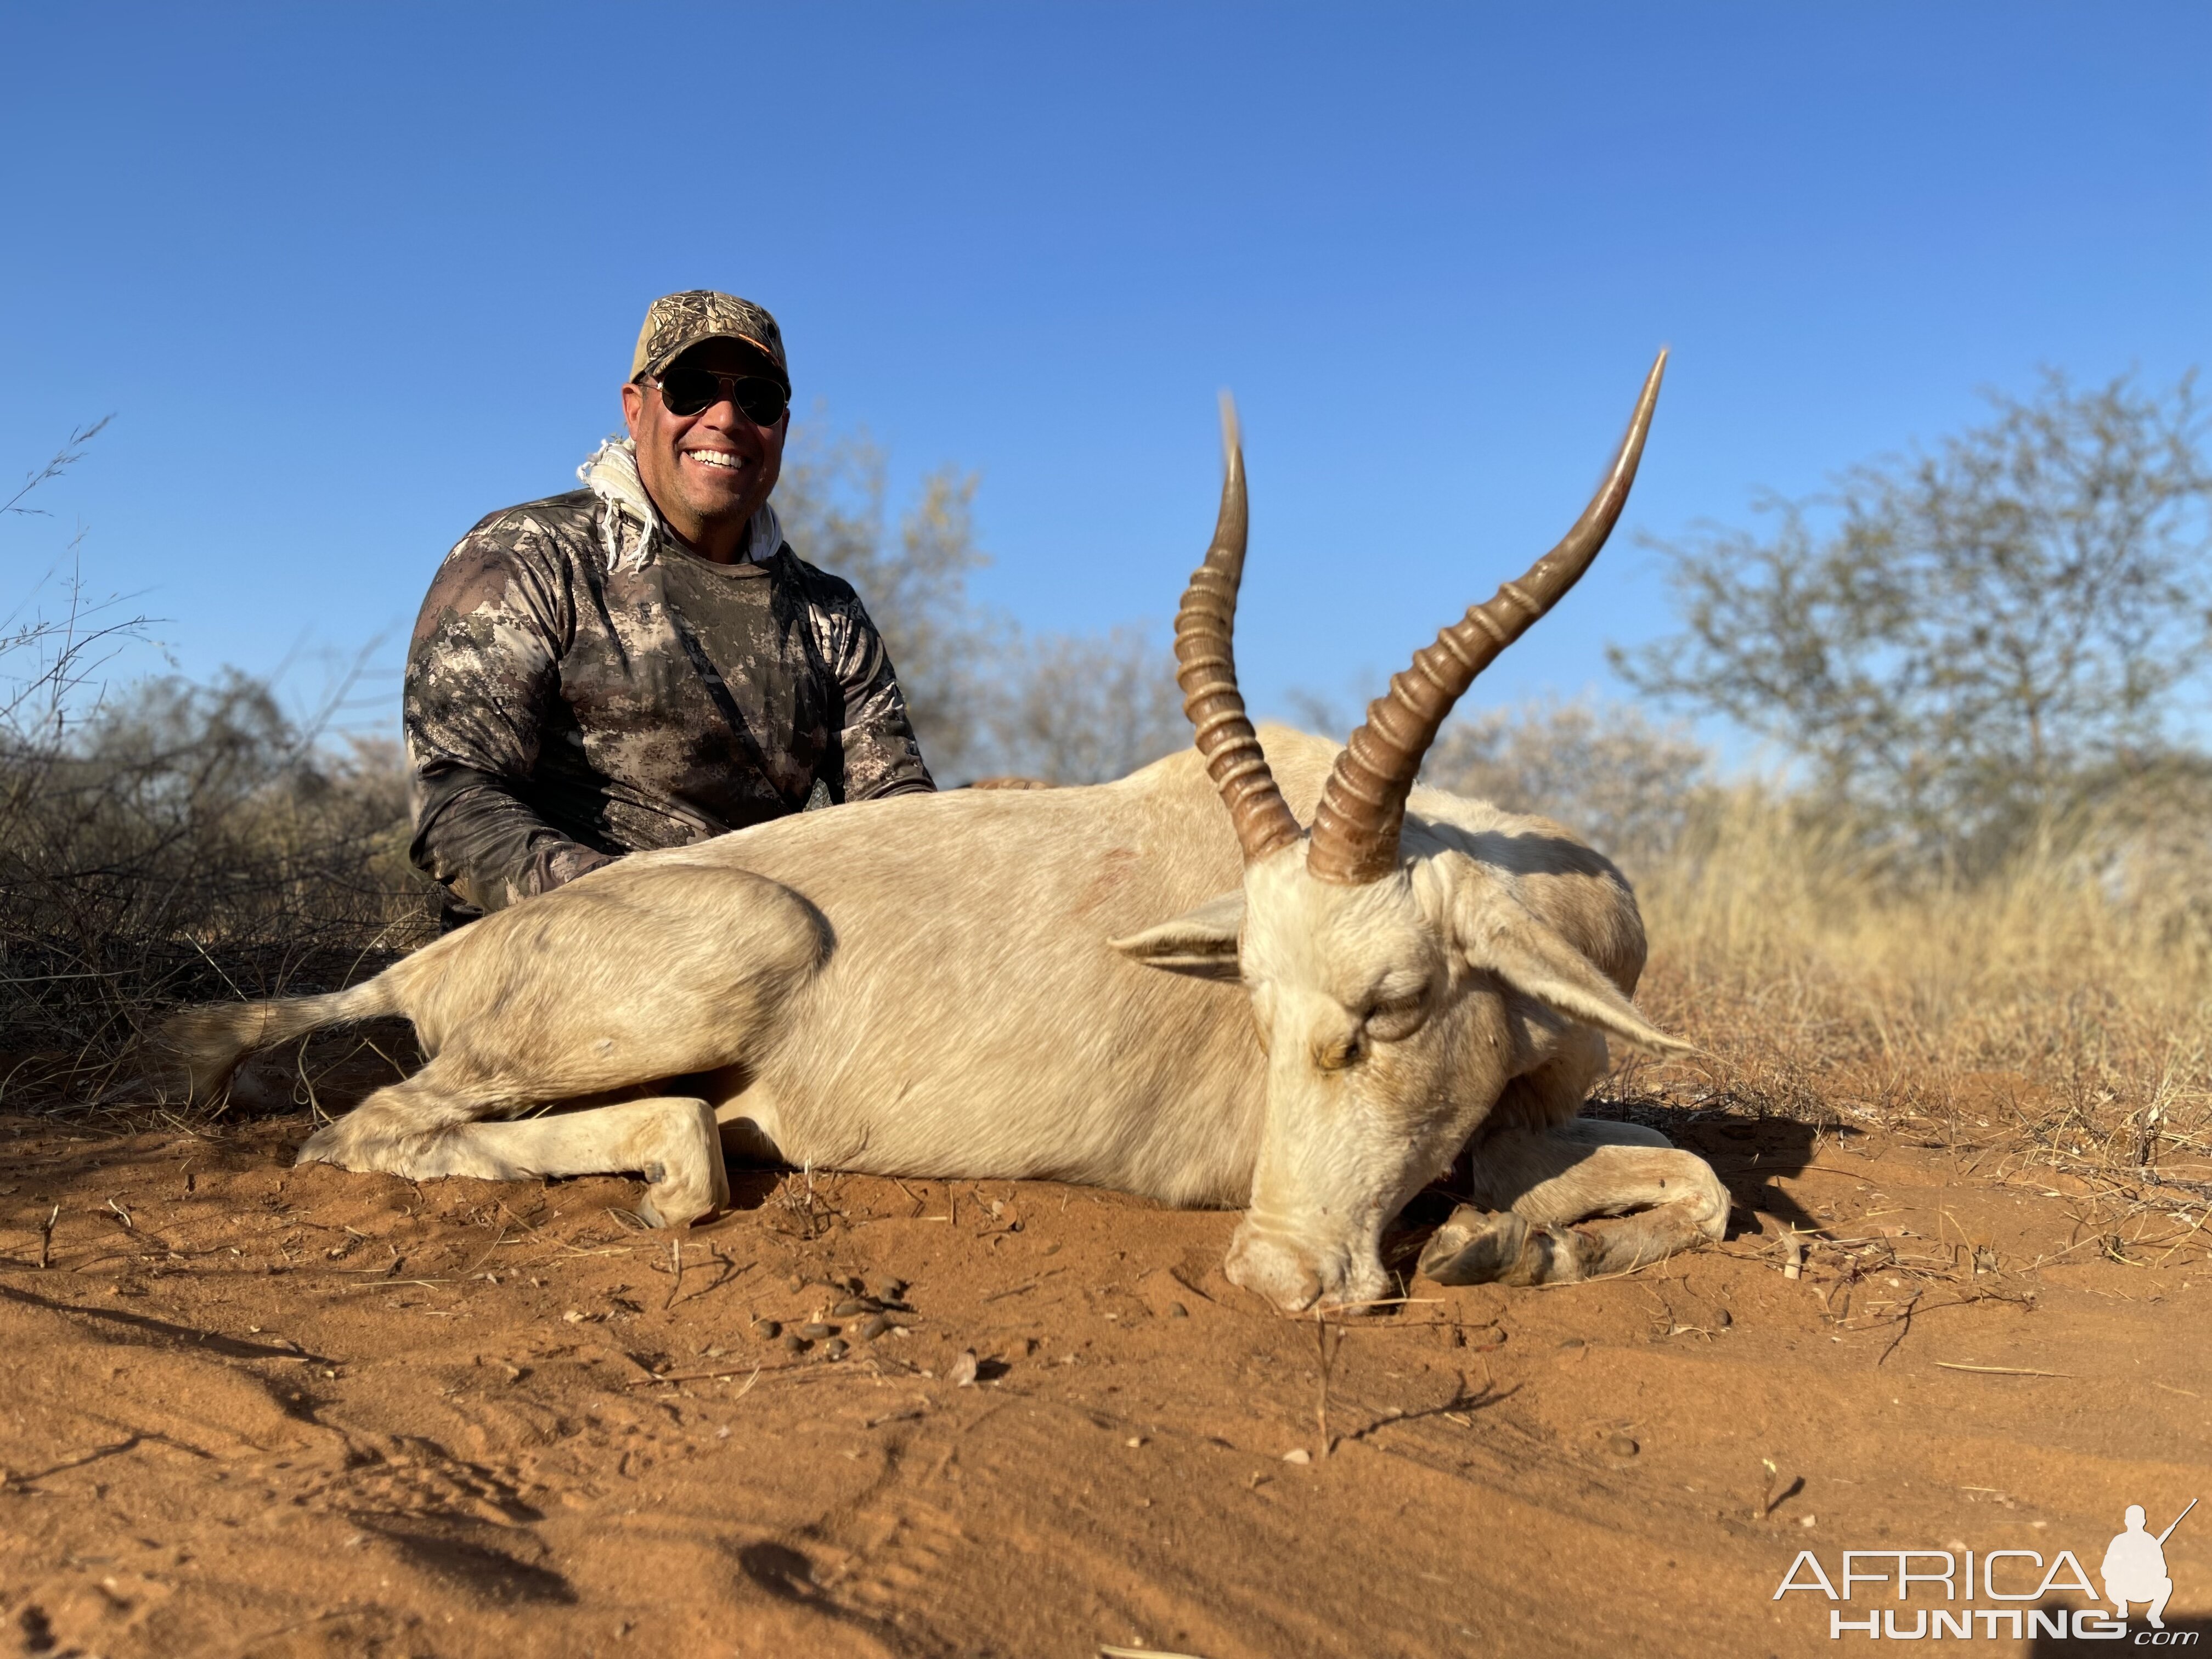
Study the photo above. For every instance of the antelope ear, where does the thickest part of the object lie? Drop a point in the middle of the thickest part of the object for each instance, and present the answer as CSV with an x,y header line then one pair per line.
x,y
1201,942
1496,931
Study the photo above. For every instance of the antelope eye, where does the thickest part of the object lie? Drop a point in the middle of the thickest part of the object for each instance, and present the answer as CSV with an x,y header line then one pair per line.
x,y
1398,1018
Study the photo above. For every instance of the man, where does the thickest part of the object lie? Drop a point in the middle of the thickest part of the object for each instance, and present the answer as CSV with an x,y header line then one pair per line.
x,y
645,662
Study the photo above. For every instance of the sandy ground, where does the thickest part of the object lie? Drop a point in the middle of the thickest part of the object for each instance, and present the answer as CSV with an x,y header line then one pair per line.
x,y
253,1411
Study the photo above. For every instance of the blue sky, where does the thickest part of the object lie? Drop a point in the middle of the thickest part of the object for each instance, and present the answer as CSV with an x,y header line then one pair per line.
x,y
350,278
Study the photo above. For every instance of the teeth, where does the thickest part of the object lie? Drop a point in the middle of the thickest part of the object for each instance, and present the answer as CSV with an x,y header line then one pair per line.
x,y
715,458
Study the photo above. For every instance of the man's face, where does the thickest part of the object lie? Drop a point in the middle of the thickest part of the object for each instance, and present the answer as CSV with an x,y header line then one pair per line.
x,y
709,472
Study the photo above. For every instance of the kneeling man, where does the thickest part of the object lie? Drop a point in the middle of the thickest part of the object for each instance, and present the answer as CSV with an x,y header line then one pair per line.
x,y
645,662
2135,1569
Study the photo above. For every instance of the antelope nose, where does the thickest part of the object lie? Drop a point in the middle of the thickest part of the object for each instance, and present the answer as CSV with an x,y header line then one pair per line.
x,y
1271,1268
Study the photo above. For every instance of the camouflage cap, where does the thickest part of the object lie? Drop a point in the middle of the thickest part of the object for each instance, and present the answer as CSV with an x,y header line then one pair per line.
x,y
676,322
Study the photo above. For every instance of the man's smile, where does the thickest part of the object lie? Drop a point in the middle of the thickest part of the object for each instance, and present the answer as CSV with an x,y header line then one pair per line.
x,y
721,460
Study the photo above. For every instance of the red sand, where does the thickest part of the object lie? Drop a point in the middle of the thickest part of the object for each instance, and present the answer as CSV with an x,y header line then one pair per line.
x,y
259,1411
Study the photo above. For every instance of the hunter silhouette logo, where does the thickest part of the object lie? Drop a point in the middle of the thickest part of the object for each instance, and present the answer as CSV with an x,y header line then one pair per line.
x,y
2134,1566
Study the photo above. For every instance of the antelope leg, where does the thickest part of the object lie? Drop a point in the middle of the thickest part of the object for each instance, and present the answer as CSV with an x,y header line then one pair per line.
x,y
1539,1194
670,1140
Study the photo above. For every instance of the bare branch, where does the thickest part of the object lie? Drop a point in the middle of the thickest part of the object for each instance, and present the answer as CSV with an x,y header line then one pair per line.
x,y
1973,634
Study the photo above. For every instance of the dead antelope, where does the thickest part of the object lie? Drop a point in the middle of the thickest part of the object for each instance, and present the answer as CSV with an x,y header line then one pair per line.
x,y
1123,985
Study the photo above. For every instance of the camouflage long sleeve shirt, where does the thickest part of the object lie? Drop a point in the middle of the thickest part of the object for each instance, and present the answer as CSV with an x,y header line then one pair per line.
x,y
580,687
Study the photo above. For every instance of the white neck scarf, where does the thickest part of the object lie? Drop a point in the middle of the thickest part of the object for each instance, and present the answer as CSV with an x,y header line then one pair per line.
x,y
610,471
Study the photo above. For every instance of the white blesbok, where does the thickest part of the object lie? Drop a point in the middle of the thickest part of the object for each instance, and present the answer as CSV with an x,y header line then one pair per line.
x,y
989,985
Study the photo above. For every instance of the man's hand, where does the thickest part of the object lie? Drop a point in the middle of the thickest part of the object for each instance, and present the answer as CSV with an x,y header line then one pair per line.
x,y
564,863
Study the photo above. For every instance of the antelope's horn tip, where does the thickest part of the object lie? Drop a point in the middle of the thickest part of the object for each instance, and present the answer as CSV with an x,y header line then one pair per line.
x,y
1231,439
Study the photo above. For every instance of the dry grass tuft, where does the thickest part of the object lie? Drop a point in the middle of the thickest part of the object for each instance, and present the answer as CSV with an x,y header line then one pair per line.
x,y
186,844
2056,1012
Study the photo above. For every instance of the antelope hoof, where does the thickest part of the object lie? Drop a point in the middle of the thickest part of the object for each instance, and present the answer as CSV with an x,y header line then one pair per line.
x,y
1474,1247
1480,1247
321,1147
358,1141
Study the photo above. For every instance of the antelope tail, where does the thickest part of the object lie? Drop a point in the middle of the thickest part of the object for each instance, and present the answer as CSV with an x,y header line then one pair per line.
x,y
211,1040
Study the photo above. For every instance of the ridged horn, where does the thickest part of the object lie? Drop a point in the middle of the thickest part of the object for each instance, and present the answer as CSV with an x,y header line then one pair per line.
x,y
1362,808
1206,669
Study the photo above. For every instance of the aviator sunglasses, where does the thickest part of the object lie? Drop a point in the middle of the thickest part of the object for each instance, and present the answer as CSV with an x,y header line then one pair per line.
x,y
687,390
